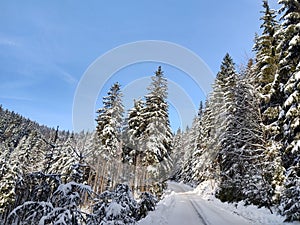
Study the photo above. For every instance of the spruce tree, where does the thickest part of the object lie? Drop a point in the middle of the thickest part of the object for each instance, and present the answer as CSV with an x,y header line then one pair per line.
x,y
265,47
265,69
212,124
287,87
266,62
157,134
177,155
259,179
64,159
208,150
109,122
197,138
225,123
133,132
187,167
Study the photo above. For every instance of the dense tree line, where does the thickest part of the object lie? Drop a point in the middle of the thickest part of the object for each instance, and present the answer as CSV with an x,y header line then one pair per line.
x,y
248,136
245,139
135,149
57,177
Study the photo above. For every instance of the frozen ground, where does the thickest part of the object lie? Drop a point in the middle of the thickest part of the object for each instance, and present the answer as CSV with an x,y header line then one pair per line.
x,y
183,205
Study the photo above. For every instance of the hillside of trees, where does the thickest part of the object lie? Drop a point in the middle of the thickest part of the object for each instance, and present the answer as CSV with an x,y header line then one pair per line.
x,y
245,138
113,175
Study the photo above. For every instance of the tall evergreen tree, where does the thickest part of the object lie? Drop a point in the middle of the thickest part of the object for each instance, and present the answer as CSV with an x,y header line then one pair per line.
x,y
266,62
212,122
259,174
188,148
265,69
177,155
265,47
225,123
157,134
219,103
208,147
287,87
109,122
197,138
241,142
134,130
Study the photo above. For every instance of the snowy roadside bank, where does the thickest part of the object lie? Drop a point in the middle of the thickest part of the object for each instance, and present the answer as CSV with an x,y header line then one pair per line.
x,y
203,195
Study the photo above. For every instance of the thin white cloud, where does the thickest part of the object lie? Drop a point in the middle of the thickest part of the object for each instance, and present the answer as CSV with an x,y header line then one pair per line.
x,y
67,76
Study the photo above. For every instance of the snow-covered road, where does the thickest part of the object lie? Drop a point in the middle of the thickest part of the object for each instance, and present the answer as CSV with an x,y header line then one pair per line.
x,y
185,207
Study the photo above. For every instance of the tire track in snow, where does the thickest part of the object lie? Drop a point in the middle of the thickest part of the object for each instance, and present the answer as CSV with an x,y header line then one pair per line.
x,y
194,205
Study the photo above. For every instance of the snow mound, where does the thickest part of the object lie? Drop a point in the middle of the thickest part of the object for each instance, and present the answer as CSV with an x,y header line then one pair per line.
x,y
206,189
163,207
256,216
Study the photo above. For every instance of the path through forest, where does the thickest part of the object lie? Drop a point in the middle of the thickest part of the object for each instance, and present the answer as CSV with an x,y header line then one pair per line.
x,y
185,207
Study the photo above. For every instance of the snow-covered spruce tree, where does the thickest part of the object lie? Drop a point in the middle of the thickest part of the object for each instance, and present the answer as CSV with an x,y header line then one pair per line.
x,y
63,207
17,164
29,152
70,161
156,141
46,198
8,183
211,125
157,134
109,121
186,172
287,86
225,124
291,142
10,174
134,131
114,207
242,145
190,167
29,156
147,202
218,103
265,48
199,157
177,155
199,135
64,159
288,48
266,62
38,183
196,130
262,174
13,128
133,146
207,149
267,59
108,134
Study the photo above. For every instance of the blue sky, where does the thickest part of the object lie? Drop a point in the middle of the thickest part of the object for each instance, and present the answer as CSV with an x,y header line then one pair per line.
x,y
46,46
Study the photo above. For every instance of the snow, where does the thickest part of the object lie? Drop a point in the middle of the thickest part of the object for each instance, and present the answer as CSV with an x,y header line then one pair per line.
x,y
296,147
292,98
183,205
67,188
114,209
297,76
295,40
151,169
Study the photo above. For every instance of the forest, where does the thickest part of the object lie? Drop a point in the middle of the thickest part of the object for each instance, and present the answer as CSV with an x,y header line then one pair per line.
x,y
245,138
